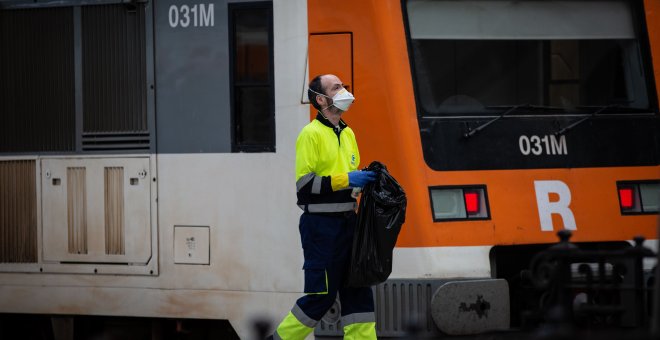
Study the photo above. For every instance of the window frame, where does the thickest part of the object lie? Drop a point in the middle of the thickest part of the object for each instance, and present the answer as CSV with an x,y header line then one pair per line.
x,y
236,145
641,36
463,188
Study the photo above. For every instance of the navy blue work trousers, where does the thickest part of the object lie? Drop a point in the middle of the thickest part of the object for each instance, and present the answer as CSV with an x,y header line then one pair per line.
x,y
327,241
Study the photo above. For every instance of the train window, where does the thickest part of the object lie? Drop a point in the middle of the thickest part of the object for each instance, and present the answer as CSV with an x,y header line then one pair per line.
x,y
253,103
471,57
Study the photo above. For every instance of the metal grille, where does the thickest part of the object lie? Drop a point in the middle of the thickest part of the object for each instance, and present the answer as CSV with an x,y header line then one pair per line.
x,y
18,211
400,305
114,73
114,210
76,188
37,80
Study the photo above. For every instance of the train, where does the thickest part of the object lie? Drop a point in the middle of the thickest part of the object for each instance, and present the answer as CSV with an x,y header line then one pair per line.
x,y
147,153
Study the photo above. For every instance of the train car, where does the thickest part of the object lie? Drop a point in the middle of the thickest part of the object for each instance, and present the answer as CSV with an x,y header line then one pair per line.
x,y
147,153
505,121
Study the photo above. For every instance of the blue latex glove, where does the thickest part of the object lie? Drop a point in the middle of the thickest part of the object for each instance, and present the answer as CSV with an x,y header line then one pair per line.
x,y
360,178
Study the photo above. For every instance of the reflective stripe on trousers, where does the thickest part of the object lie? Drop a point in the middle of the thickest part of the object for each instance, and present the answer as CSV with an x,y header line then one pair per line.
x,y
297,326
360,331
294,329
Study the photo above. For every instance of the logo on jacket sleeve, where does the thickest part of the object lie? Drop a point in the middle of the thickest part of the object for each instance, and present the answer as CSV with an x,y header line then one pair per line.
x,y
353,159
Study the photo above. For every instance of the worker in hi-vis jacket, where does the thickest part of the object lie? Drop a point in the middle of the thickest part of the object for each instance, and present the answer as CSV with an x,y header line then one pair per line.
x,y
327,159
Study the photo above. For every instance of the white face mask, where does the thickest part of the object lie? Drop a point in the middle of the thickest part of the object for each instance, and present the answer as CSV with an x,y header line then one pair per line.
x,y
341,100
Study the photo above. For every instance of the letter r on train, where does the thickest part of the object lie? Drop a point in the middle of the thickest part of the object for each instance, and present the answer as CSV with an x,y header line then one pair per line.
x,y
561,207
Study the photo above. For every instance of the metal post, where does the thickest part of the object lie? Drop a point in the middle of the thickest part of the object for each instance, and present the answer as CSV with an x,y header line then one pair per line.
x,y
640,309
655,322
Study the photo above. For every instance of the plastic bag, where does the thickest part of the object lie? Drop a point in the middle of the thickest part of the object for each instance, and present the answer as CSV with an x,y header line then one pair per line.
x,y
381,212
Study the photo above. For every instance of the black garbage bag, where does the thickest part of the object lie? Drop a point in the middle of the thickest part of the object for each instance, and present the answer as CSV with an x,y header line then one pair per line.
x,y
381,212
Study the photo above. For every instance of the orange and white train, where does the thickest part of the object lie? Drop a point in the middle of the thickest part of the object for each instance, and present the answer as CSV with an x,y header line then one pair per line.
x,y
147,152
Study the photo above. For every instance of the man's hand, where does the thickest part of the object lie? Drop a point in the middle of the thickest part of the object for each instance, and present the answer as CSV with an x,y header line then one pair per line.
x,y
360,178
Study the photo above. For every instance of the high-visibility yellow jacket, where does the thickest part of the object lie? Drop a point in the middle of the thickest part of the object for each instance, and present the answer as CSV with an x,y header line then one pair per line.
x,y
325,154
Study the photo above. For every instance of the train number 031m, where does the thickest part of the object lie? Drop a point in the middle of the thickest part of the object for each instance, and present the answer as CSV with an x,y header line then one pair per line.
x,y
197,15
537,145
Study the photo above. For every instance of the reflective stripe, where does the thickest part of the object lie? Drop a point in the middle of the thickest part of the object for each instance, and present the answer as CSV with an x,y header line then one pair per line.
x,y
302,317
291,328
358,318
360,331
302,181
316,185
329,207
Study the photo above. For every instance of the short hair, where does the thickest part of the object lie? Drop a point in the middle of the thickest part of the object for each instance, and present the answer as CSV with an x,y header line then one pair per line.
x,y
314,89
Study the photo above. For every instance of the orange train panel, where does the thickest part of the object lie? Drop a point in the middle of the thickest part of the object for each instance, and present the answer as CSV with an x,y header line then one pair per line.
x,y
331,53
385,121
381,70
515,216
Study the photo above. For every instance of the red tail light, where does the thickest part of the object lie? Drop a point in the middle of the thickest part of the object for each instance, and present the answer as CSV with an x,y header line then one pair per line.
x,y
471,202
639,197
459,203
626,198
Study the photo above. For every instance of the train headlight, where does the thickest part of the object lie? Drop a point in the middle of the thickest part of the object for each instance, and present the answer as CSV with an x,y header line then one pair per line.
x,y
639,197
459,203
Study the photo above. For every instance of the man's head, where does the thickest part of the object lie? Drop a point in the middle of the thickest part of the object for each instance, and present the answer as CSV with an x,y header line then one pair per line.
x,y
321,91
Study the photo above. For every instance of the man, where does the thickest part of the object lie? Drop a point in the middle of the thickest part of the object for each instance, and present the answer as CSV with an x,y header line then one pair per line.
x,y
327,159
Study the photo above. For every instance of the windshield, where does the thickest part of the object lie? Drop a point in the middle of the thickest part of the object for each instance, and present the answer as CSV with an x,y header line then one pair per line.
x,y
469,57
